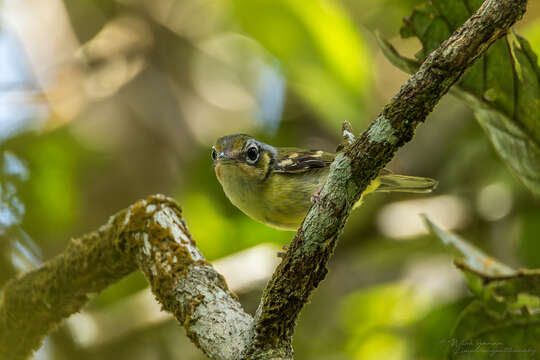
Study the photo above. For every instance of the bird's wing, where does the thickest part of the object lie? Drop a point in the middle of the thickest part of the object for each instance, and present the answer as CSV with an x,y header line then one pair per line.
x,y
293,160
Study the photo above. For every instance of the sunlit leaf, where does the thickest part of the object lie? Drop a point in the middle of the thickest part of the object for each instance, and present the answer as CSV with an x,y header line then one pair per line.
x,y
502,88
328,65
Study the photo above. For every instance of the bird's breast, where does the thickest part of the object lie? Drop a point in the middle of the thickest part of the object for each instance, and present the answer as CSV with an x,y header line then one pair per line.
x,y
281,201
242,191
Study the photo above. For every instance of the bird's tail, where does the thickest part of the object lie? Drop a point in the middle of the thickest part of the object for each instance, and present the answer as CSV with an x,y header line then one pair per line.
x,y
404,183
388,182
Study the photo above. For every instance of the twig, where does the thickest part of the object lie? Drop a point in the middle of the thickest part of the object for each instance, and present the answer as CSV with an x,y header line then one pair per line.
x,y
487,278
348,136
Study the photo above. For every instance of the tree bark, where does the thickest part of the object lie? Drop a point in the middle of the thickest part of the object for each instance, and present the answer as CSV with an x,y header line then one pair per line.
x,y
152,236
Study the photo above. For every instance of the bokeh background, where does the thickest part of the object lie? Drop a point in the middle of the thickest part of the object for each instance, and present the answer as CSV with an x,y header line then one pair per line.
x,y
105,102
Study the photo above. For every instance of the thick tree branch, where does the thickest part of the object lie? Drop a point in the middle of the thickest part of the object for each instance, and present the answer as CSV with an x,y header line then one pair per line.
x,y
151,236
304,265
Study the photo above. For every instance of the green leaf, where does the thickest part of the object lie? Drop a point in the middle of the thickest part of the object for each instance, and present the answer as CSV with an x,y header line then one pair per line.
x,y
502,88
475,260
489,278
328,65
524,282
500,324
429,334
482,333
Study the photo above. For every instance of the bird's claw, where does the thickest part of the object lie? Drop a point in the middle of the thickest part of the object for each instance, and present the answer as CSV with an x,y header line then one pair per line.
x,y
281,254
316,196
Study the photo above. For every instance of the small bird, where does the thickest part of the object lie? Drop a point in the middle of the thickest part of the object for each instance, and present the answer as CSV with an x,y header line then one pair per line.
x,y
276,186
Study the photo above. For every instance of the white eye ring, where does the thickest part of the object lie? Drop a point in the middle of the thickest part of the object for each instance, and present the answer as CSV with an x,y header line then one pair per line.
x,y
252,154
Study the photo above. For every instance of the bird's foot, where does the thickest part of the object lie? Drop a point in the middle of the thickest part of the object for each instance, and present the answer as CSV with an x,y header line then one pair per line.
x,y
316,196
281,254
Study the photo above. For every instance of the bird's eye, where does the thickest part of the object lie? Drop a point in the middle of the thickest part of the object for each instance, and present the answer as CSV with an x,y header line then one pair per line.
x,y
214,154
252,154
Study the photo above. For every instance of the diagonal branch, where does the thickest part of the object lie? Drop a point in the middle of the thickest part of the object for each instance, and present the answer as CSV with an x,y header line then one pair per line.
x,y
304,265
149,235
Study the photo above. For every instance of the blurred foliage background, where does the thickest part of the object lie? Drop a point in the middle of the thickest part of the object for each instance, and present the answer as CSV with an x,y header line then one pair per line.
x,y
105,102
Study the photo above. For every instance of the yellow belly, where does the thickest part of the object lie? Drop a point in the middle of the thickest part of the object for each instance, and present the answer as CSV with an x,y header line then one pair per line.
x,y
282,200
287,198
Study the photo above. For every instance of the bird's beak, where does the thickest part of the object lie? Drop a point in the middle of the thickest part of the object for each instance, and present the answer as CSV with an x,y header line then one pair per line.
x,y
223,158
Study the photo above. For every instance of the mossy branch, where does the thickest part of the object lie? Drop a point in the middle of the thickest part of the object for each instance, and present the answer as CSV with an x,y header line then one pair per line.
x,y
304,265
151,236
